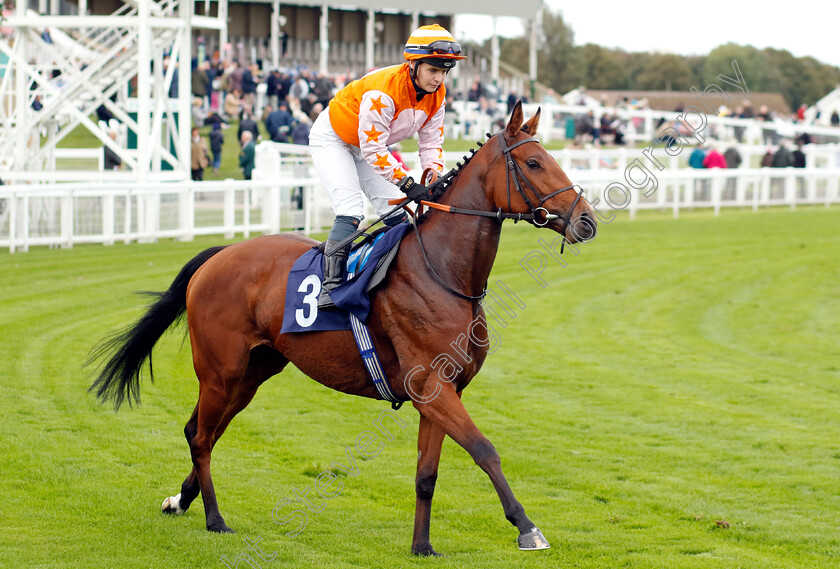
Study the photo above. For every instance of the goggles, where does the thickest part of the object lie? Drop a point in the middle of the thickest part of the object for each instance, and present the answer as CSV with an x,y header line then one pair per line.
x,y
442,47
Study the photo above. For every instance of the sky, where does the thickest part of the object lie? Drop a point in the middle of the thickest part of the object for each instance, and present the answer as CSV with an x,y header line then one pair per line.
x,y
803,27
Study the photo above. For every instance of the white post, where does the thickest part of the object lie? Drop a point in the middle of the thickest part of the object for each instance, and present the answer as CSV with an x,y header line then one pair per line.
x,y
494,53
536,24
82,7
22,94
324,39
184,58
415,20
144,86
223,32
370,39
275,33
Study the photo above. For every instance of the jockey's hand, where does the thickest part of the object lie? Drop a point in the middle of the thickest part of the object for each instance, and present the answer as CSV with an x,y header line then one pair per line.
x,y
414,190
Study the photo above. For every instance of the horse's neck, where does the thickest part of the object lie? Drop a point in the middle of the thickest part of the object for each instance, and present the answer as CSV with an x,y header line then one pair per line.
x,y
462,248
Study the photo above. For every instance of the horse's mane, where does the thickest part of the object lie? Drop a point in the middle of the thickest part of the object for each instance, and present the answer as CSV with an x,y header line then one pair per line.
x,y
438,189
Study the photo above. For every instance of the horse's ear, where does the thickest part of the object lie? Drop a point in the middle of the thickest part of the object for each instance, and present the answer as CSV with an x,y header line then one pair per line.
x,y
515,122
531,126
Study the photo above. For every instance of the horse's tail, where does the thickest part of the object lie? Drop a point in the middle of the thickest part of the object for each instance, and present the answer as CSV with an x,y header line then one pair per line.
x,y
128,349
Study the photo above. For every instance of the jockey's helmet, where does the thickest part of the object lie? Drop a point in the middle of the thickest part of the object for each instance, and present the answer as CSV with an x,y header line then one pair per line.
x,y
434,45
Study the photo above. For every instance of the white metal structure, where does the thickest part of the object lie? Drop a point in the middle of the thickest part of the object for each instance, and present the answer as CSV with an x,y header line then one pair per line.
x,y
77,63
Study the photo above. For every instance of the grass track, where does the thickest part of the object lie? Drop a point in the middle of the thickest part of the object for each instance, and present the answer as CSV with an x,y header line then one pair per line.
x,y
677,373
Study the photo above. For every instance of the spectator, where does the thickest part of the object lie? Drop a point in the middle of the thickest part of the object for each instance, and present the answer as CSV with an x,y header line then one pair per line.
x,y
233,104
732,157
198,112
783,157
173,87
249,86
103,114
798,157
217,139
37,105
248,154
247,123
835,118
300,133
200,82
283,86
199,157
299,89
767,159
698,155
213,118
475,91
279,123
236,77
272,86
111,161
714,159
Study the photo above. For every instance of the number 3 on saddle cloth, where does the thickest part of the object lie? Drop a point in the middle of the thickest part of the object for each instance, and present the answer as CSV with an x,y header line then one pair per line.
x,y
351,297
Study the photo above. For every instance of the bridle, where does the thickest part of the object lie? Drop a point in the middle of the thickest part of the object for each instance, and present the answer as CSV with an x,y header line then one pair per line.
x,y
513,172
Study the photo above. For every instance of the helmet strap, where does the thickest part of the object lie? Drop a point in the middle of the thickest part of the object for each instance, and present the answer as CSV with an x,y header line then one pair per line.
x,y
412,72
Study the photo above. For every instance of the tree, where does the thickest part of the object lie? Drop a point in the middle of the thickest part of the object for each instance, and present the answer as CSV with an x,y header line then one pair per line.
x,y
559,64
604,67
665,72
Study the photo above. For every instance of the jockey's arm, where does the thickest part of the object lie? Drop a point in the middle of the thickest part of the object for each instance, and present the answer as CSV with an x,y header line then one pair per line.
x,y
430,143
376,111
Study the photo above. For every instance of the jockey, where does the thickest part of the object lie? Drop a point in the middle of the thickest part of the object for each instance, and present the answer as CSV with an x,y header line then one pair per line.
x,y
350,138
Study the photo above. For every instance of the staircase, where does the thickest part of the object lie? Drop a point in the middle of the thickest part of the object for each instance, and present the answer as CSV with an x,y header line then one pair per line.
x,y
94,64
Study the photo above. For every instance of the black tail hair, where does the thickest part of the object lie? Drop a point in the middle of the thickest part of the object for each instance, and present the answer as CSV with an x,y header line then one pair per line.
x,y
128,349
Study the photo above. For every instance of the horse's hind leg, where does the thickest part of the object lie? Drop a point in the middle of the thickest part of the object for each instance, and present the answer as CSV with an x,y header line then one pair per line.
x,y
263,364
190,488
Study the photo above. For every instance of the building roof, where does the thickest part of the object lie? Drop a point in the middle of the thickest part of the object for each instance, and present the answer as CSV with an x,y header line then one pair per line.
x,y
669,100
519,9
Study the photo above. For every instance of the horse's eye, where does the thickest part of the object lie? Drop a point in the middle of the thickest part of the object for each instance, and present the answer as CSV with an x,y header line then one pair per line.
x,y
532,164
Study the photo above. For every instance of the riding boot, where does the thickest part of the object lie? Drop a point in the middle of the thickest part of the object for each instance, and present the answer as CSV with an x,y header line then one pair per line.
x,y
334,266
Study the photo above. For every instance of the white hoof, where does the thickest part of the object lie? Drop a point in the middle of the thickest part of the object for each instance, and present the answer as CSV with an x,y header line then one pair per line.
x,y
172,505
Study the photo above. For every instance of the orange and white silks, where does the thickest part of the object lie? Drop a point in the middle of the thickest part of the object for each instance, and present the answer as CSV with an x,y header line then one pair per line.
x,y
381,109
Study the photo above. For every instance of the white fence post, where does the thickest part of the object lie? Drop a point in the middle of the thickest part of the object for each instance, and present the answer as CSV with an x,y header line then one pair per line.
x,y
230,213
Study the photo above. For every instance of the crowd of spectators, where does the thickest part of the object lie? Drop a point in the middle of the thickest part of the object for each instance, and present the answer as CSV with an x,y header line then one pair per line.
x,y
225,92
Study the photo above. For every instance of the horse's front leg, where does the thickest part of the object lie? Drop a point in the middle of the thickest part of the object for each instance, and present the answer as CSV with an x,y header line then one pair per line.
x,y
448,413
429,442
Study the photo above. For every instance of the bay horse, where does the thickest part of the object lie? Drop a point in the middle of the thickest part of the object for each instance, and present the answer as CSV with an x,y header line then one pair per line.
x,y
233,297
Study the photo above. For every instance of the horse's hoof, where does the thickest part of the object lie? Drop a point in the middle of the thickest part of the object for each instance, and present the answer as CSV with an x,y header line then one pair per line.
x,y
426,551
172,505
219,527
532,540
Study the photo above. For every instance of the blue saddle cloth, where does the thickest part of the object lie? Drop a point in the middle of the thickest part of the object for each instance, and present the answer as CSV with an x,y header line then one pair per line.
x,y
301,312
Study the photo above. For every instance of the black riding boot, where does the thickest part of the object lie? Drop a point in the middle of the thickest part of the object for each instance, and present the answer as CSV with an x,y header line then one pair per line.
x,y
334,266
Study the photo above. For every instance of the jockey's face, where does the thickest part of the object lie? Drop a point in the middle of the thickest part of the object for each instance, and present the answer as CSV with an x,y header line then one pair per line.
x,y
428,77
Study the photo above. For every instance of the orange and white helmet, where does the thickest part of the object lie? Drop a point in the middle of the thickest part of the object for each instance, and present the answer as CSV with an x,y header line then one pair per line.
x,y
434,45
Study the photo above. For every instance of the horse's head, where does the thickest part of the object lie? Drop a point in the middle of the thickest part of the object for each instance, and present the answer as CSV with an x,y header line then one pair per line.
x,y
526,179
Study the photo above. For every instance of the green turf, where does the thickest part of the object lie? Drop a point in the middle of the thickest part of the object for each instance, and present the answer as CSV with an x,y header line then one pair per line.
x,y
677,377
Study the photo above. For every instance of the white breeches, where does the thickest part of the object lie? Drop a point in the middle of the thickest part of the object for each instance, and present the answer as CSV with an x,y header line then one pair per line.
x,y
345,174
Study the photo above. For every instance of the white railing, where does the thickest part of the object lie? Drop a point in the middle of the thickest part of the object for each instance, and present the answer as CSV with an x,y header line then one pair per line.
x,y
640,124
68,214
285,195
717,188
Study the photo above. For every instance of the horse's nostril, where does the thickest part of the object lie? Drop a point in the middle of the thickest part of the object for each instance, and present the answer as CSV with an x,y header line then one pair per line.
x,y
584,228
